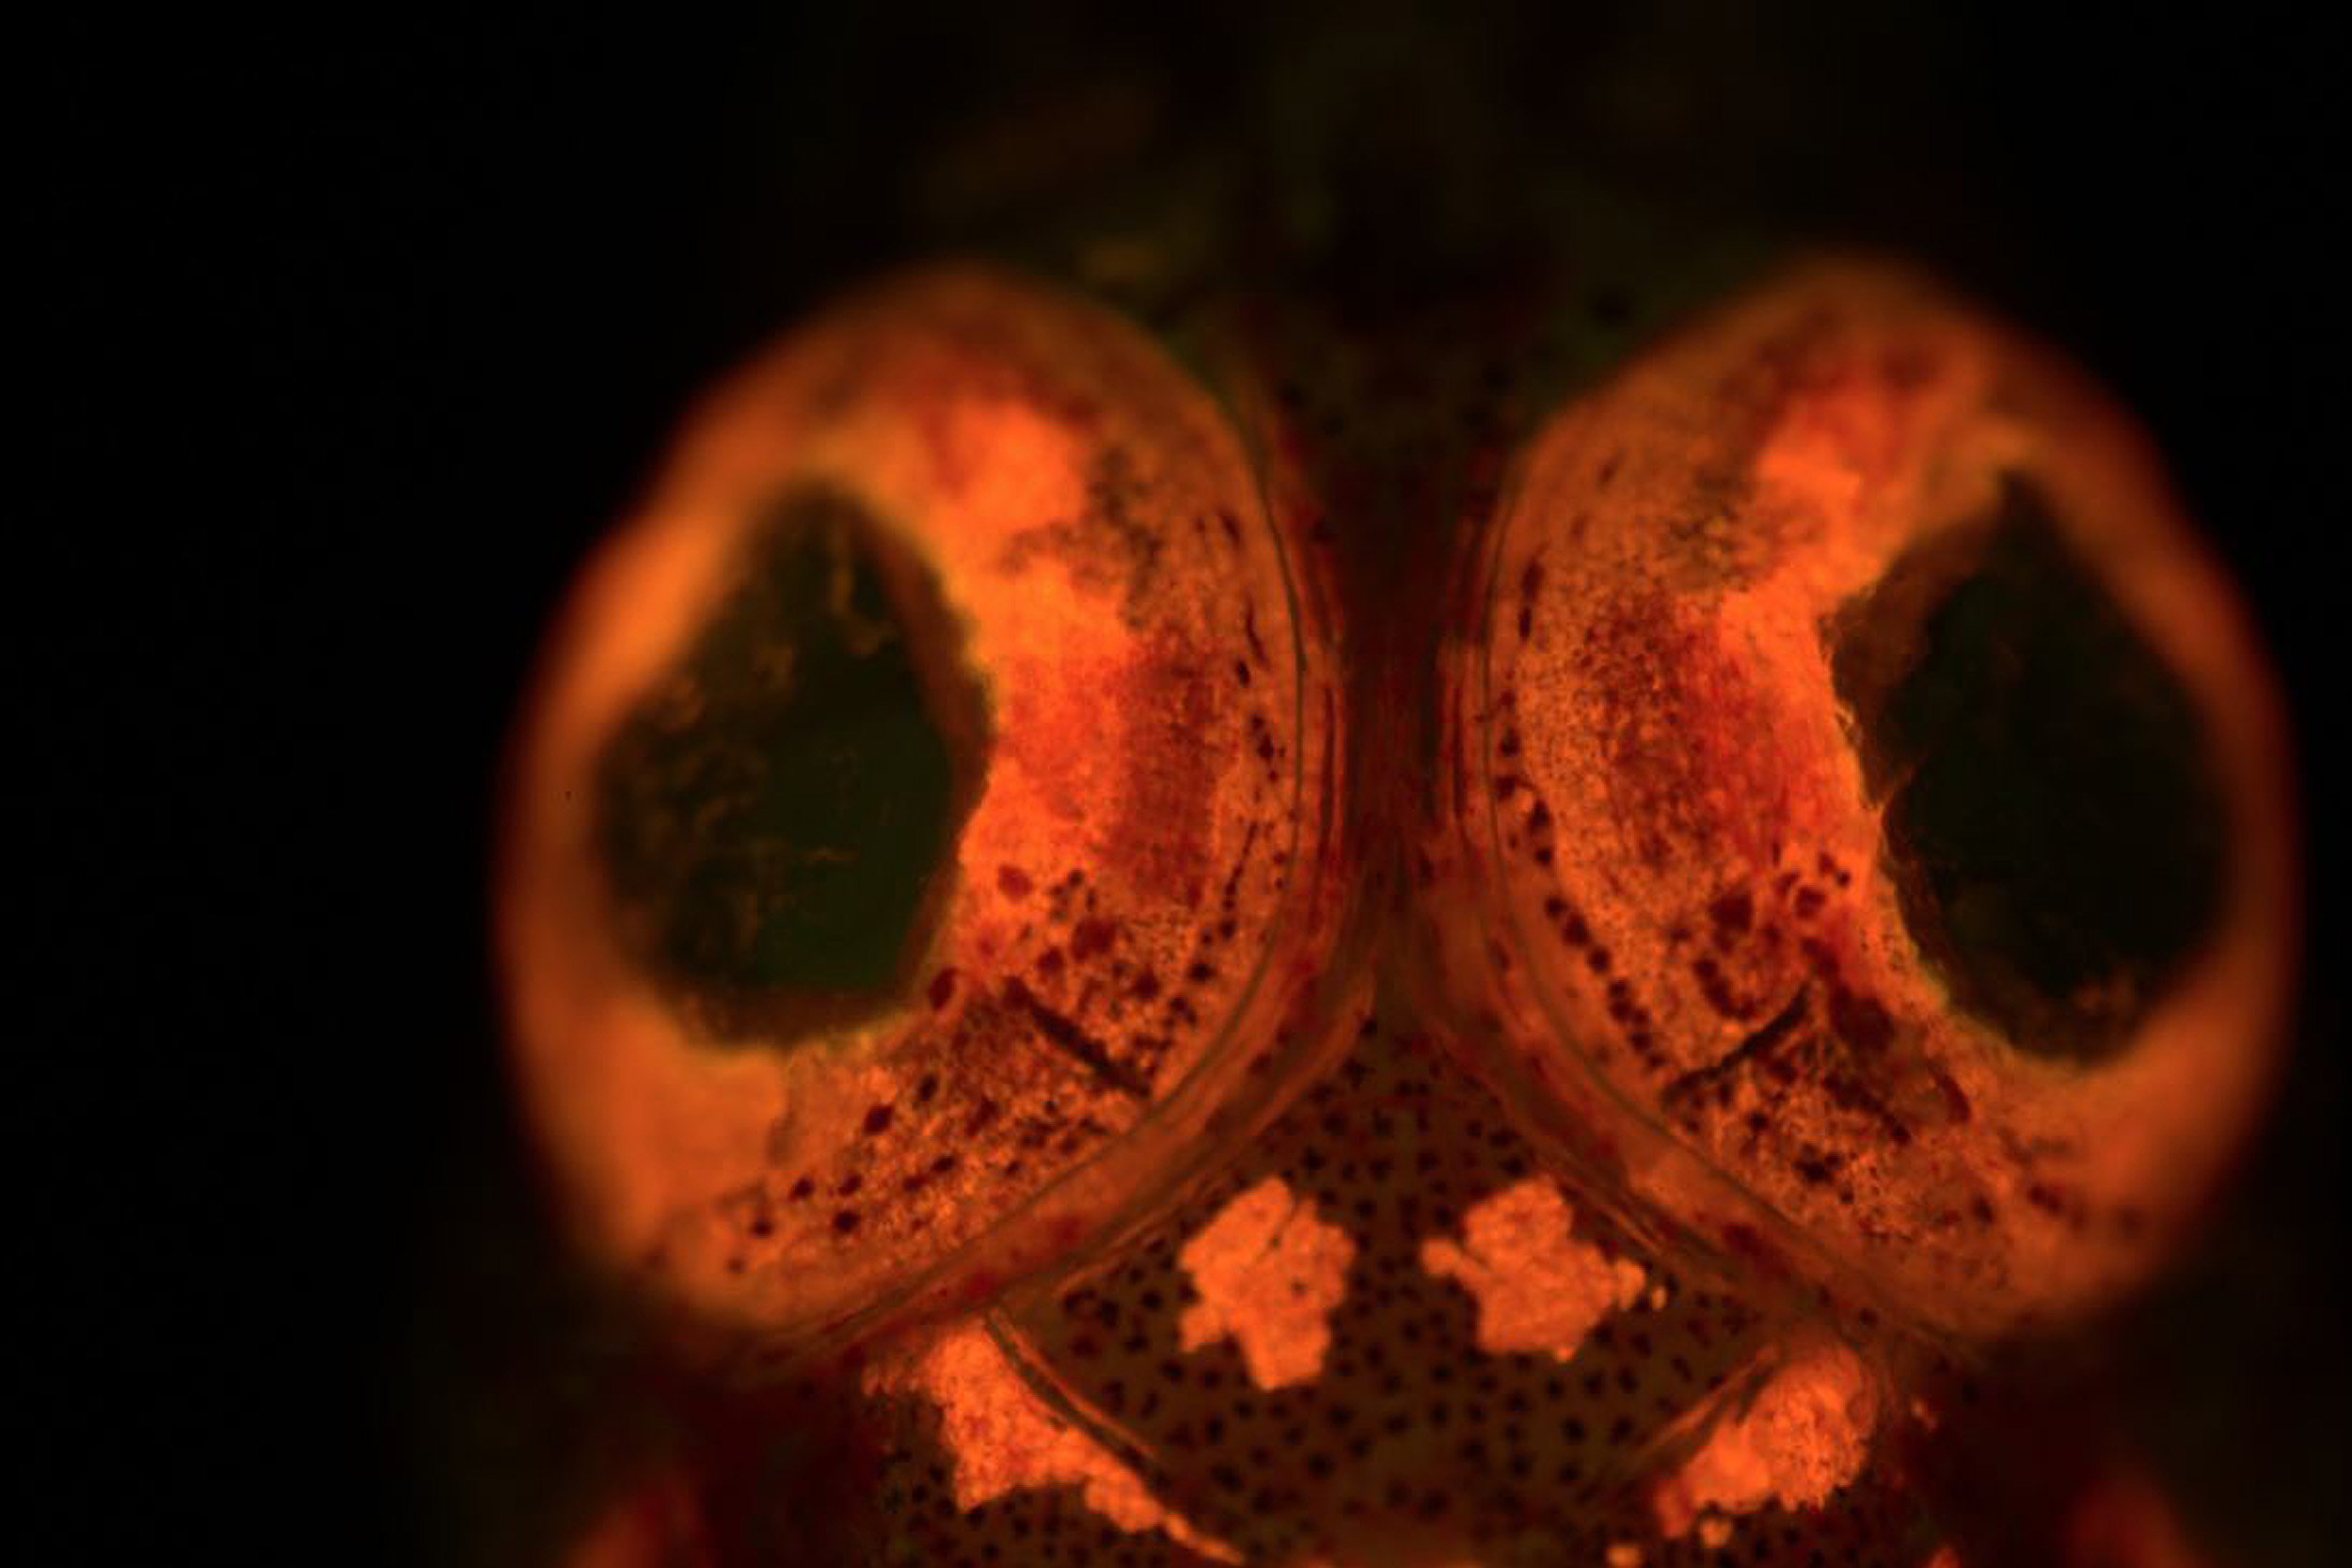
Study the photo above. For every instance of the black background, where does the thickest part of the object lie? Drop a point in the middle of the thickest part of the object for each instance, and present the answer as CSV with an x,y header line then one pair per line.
x,y
450,282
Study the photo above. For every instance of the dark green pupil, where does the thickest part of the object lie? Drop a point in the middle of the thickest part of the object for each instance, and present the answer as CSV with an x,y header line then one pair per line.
x,y
773,813
2058,836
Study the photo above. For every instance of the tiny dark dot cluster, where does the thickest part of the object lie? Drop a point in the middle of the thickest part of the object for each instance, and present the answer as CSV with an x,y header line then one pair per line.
x,y
1412,1431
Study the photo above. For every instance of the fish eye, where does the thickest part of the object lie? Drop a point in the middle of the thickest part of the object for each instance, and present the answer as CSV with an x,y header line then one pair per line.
x,y
1879,794
924,795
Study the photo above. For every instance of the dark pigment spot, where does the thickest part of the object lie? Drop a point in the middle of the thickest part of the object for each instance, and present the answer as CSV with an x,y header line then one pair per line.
x,y
2057,833
773,814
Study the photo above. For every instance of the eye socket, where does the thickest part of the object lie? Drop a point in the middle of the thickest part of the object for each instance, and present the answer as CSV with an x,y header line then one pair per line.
x,y
920,805
1883,797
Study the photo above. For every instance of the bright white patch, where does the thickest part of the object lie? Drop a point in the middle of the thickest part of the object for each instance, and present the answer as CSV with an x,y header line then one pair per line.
x,y
1538,1287
1806,1435
1268,1273
1002,1437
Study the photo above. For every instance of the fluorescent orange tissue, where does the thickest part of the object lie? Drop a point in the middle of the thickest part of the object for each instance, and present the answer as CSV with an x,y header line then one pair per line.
x,y
1888,795
907,807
